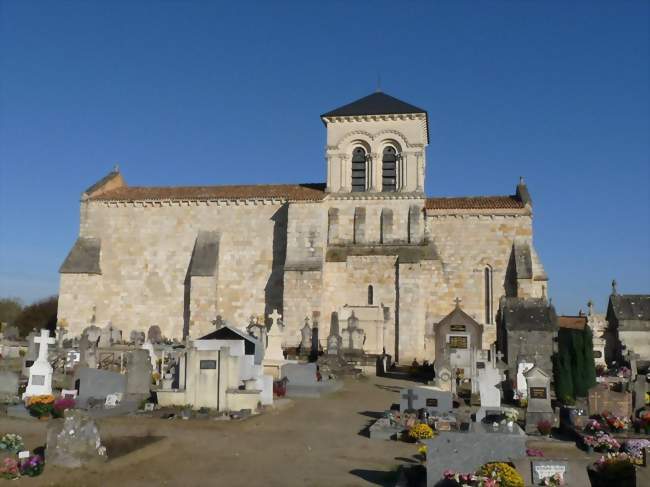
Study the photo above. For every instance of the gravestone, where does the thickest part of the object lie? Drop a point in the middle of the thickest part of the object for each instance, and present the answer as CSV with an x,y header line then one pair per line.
x,y
88,355
303,382
96,384
539,399
353,336
31,355
74,441
334,344
109,336
137,337
489,380
541,469
274,338
93,333
40,373
430,398
154,335
466,451
600,398
300,374
138,376
305,337
384,429
8,384
522,387
153,358
640,387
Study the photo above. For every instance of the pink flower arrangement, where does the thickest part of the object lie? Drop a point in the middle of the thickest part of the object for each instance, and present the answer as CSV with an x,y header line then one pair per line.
x,y
61,404
9,469
531,452
593,425
470,479
602,442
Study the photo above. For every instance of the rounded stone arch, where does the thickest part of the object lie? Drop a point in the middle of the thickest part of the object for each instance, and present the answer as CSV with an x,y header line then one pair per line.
x,y
347,141
390,136
389,159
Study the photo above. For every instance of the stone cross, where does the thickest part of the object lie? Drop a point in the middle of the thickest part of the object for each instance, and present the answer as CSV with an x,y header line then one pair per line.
x,y
275,316
457,301
498,356
43,341
410,397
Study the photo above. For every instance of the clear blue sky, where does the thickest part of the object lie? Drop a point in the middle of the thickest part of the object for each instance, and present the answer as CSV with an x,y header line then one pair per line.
x,y
197,93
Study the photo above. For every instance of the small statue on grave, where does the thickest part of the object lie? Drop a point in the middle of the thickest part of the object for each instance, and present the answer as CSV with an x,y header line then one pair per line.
x,y
305,342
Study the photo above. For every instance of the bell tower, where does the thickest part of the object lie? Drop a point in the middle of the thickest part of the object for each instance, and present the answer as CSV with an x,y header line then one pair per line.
x,y
376,145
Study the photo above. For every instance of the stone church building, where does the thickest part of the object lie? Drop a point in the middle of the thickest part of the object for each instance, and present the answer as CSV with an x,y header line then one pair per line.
x,y
366,246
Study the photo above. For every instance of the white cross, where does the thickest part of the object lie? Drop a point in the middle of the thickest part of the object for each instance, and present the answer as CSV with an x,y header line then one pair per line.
x,y
275,316
499,355
43,341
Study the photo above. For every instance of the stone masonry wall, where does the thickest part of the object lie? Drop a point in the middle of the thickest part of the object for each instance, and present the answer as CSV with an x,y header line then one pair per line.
x,y
145,254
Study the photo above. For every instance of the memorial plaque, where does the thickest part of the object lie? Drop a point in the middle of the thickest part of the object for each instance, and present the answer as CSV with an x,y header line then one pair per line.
x,y
443,426
432,402
38,380
480,365
458,342
208,364
538,392
543,469
458,328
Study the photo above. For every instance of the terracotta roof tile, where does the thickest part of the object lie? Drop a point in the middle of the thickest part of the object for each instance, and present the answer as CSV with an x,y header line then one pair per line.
x,y
474,203
293,192
574,322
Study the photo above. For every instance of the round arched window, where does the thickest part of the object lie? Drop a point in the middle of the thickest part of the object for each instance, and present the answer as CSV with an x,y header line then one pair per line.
x,y
389,169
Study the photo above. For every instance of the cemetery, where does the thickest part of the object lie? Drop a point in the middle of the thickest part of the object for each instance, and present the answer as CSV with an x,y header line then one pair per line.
x,y
70,402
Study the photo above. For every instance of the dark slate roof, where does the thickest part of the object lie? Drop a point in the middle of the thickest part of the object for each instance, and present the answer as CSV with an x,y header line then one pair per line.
x,y
527,314
230,333
83,258
376,104
631,307
205,255
290,192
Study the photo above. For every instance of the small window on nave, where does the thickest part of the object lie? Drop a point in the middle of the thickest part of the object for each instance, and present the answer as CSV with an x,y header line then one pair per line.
x,y
359,169
371,297
389,169
488,295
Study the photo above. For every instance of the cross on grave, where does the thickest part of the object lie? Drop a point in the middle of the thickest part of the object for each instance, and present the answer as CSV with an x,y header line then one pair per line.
x,y
457,301
499,356
410,397
43,341
275,316
536,357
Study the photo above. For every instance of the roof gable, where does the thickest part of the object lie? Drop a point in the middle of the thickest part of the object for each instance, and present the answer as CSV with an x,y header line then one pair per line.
x,y
458,317
527,314
231,333
630,307
375,104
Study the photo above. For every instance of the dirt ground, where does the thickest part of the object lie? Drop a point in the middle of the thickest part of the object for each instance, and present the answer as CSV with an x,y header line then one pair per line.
x,y
313,442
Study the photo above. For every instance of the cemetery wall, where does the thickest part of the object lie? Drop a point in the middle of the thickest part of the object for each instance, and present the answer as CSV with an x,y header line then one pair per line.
x,y
145,255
